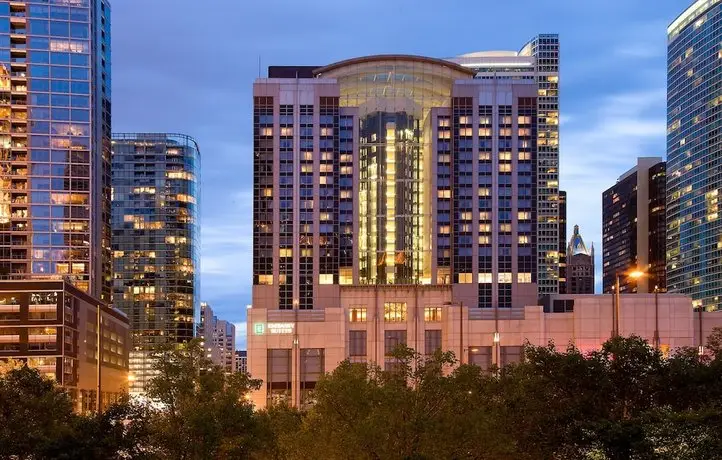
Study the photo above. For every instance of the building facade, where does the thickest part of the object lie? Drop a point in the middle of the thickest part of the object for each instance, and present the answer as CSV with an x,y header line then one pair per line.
x,y
219,337
633,227
242,361
580,265
53,327
694,74
400,172
290,350
563,275
156,242
428,176
55,91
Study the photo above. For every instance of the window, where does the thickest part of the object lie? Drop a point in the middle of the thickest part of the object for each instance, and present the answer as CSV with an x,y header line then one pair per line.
x,y
524,156
524,277
523,239
485,278
265,279
357,343
505,277
432,314
311,364
393,339
394,312
9,312
357,314
285,252
432,341
480,356
325,278
465,278
524,215
511,354
484,239
42,312
505,156
504,167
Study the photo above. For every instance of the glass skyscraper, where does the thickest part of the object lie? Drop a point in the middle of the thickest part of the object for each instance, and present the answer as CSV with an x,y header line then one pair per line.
x,y
155,221
55,142
694,147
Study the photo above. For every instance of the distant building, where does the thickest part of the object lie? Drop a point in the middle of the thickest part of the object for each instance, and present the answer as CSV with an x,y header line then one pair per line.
x,y
634,228
580,265
241,361
694,106
156,242
219,338
563,270
52,326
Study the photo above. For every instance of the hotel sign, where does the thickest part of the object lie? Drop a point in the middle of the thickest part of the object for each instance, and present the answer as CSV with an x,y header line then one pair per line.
x,y
273,328
280,328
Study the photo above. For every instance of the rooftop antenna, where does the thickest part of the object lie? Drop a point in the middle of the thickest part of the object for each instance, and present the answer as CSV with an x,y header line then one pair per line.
x,y
259,66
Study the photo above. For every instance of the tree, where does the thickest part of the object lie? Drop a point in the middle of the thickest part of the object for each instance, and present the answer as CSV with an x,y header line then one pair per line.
x,y
35,414
204,413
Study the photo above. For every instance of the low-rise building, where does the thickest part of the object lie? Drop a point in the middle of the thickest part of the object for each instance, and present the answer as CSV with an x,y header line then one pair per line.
x,y
53,326
291,349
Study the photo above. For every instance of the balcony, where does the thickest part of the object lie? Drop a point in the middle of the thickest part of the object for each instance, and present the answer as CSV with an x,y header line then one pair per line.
x,y
18,74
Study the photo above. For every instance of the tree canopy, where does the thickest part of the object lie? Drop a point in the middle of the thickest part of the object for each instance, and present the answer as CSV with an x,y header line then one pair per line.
x,y
624,401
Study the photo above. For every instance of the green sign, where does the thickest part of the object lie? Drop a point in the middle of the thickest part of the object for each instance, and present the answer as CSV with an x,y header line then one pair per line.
x,y
259,328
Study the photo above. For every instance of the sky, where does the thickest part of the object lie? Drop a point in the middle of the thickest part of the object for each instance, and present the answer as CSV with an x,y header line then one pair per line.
x,y
187,66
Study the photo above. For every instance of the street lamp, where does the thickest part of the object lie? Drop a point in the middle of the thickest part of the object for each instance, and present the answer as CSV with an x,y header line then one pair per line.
x,y
616,311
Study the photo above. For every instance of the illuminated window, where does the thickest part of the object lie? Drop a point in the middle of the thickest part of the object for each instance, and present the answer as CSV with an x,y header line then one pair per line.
x,y
265,279
505,156
466,132
464,120
443,193
524,132
306,252
432,314
483,191
485,228
465,278
394,312
286,131
523,239
524,277
266,131
484,132
505,228
345,194
444,229
505,277
524,156
466,215
524,215
307,156
444,123
484,156
484,120
504,167
484,239
485,278
325,278
345,276
285,252
357,314
524,120
484,215
326,131
444,134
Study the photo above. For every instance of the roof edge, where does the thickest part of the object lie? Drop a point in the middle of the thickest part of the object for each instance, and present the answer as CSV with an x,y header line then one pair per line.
x,y
393,57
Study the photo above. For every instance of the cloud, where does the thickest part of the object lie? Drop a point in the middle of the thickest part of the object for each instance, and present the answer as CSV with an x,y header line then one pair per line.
x,y
609,134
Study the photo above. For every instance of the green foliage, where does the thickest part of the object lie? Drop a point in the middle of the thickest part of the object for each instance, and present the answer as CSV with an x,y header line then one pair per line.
x,y
624,401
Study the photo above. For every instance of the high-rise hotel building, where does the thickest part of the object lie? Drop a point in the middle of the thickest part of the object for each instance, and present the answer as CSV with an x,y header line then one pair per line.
x,y
55,142
404,174
156,242
694,106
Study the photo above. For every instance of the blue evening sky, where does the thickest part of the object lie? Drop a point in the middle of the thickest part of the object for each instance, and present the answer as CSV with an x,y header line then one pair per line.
x,y
188,66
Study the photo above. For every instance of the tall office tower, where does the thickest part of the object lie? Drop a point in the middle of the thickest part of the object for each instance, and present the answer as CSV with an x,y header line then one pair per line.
x,y
219,337
563,281
156,242
402,170
55,142
537,61
580,265
694,227
633,227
